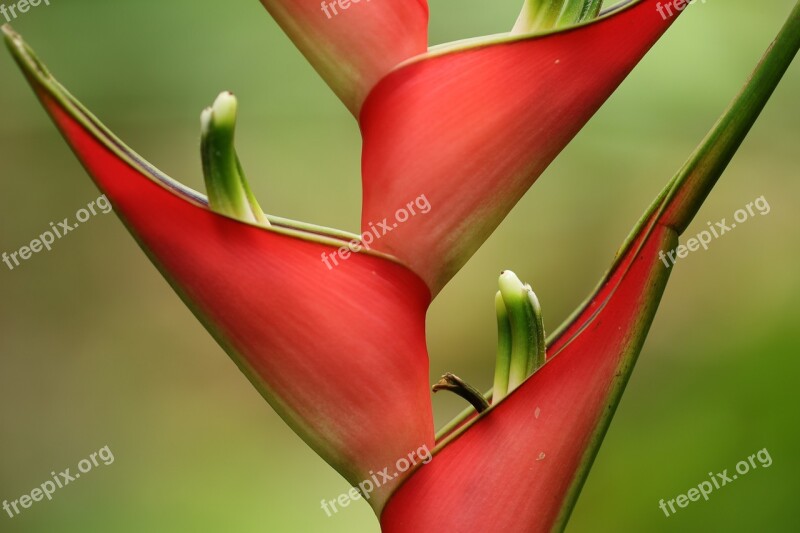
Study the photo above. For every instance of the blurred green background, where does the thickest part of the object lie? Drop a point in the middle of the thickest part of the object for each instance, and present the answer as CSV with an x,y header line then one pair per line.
x,y
96,349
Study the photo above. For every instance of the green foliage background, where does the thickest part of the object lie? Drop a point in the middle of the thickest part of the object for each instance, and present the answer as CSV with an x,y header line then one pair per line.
x,y
96,349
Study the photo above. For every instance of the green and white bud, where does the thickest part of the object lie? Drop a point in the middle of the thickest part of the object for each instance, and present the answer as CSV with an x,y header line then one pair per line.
x,y
228,191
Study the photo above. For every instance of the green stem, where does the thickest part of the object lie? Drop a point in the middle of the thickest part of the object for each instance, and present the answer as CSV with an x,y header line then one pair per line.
x,y
700,173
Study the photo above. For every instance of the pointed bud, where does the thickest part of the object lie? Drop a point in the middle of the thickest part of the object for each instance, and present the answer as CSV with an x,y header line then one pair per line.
x,y
527,352
228,191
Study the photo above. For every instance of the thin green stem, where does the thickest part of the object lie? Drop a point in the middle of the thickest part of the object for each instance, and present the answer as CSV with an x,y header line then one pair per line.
x,y
700,173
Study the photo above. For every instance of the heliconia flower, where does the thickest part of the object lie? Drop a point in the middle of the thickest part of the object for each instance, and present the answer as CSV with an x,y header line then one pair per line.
x,y
469,124
338,352
520,464
473,124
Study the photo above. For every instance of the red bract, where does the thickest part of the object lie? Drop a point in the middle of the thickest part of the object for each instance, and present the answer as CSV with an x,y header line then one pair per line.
x,y
520,465
472,127
340,354
352,48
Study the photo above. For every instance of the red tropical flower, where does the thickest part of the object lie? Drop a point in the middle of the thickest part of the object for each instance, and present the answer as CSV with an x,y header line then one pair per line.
x,y
520,465
339,353
259,290
469,124
473,126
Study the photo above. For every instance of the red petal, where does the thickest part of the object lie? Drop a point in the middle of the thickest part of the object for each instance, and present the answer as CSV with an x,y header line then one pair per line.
x,y
357,46
472,129
340,354
520,466
517,468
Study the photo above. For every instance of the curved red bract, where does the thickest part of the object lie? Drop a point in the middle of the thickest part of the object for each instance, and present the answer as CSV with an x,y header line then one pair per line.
x,y
340,354
472,130
355,47
519,467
